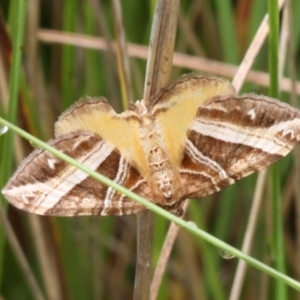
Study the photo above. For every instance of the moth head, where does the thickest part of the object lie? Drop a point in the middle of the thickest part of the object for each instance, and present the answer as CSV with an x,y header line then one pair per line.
x,y
139,107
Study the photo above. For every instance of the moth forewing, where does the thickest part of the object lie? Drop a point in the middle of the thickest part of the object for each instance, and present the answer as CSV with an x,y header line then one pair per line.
x,y
232,137
43,184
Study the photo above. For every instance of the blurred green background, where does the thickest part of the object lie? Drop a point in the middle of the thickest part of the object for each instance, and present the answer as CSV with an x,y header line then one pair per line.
x,y
94,257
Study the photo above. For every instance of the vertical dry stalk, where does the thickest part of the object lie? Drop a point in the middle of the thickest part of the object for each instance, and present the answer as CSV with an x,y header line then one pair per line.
x,y
158,72
122,56
252,51
164,256
24,265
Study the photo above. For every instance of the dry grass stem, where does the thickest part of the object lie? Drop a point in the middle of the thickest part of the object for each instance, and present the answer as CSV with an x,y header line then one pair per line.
x,y
122,56
164,256
161,49
4,93
46,259
159,65
249,234
23,263
109,62
256,203
252,51
283,47
179,59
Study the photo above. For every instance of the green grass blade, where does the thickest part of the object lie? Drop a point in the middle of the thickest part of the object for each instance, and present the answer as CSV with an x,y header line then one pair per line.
x,y
6,159
68,66
227,31
277,238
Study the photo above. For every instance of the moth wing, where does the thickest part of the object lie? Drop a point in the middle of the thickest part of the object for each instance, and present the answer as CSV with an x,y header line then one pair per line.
x,y
45,185
232,137
96,115
175,109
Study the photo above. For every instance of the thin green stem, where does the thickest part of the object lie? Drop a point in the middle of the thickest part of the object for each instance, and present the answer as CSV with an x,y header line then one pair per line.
x,y
190,227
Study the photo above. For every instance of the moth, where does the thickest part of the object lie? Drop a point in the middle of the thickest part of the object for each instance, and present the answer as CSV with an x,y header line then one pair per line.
x,y
197,138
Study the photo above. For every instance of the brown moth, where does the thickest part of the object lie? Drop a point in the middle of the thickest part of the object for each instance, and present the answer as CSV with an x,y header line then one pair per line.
x,y
196,139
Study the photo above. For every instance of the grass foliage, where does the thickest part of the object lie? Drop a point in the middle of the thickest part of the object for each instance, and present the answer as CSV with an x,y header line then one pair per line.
x,y
94,257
